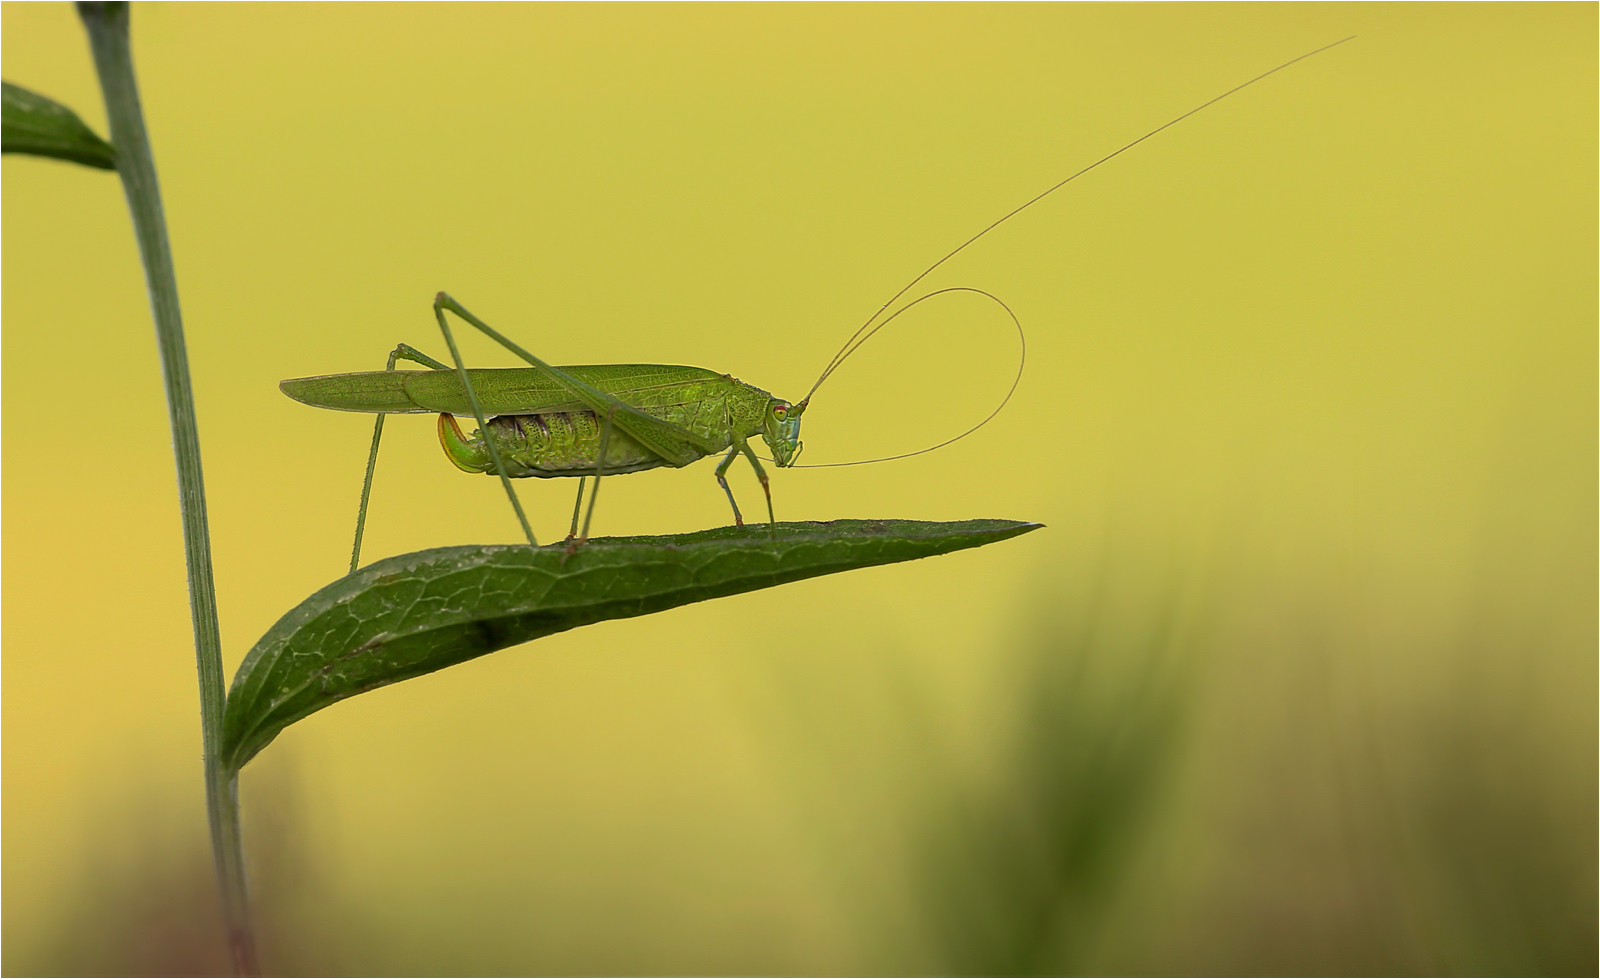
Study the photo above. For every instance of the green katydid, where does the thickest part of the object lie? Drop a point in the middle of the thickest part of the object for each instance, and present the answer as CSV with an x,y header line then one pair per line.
x,y
610,419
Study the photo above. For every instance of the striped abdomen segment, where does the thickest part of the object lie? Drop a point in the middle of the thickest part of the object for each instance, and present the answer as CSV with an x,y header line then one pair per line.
x,y
550,443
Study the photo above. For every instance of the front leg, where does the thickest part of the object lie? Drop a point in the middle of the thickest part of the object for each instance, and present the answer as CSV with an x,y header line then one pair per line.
x,y
722,479
741,445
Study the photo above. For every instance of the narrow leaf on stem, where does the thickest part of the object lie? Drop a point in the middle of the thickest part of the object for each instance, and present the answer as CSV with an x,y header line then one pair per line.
x,y
412,614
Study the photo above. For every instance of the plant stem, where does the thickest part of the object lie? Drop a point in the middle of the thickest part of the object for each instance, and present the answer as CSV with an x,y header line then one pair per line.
x,y
107,24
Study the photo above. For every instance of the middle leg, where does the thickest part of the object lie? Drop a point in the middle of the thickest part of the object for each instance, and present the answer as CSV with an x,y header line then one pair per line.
x,y
576,509
594,494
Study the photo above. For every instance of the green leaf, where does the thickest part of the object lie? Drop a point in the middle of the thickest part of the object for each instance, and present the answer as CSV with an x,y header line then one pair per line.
x,y
412,614
31,123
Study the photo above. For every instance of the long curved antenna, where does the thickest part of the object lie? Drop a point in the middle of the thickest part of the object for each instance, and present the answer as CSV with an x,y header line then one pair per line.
x,y
1022,361
856,338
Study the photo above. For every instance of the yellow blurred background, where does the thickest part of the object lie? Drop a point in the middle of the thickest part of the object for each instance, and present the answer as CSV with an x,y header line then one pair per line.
x,y
1300,678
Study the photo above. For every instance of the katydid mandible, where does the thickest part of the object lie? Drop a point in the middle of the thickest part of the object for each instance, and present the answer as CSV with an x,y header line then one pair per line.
x,y
610,419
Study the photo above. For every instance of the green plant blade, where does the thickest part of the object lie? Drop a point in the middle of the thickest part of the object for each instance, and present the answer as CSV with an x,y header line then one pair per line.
x,y
33,124
412,614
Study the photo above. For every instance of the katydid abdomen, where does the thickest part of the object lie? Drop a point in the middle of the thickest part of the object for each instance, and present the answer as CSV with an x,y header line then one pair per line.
x,y
551,443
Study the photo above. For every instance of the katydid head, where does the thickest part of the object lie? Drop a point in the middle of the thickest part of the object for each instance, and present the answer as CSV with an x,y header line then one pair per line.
x,y
781,430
